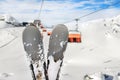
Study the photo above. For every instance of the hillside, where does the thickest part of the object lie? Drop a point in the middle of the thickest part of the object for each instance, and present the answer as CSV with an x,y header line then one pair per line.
x,y
98,53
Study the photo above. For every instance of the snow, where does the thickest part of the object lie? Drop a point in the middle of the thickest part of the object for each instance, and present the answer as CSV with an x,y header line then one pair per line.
x,y
13,58
3,24
97,54
62,43
53,68
5,38
7,20
97,51
71,25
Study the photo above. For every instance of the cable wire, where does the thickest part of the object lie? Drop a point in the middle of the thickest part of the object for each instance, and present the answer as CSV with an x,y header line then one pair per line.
x,y
42,2
94,11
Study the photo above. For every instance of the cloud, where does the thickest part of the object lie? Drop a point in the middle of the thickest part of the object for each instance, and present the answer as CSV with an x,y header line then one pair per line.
x,y
53,11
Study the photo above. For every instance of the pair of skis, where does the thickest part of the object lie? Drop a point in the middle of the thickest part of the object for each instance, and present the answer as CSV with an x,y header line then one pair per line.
x,y
33,45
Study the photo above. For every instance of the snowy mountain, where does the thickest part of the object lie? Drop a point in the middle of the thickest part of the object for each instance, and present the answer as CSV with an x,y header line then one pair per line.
x,y
98,54
7,21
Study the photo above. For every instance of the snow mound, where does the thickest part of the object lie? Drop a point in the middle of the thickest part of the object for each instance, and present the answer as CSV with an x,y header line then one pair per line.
x,y
5,76
3,24
5,37
100,31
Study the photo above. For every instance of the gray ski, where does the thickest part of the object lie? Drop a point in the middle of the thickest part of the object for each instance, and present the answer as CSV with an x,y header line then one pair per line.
x,y
33,45
57,45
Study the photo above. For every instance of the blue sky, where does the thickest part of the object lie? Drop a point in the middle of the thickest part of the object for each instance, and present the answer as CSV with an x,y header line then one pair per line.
x,y
59,11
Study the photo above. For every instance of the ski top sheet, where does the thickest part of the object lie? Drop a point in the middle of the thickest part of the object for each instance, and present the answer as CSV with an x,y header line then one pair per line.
x,y
32,41
57,45
33,45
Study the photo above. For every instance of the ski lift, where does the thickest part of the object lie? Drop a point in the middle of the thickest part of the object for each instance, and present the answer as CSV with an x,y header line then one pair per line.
x,y
74,37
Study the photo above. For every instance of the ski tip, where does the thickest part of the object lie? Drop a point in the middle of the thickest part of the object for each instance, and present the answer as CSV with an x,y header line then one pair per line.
x,y
62,26
58,42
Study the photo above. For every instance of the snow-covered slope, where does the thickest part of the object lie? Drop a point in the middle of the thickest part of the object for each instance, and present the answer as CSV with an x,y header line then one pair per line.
x,y
7,21
98,53
13,62
5,37
3,24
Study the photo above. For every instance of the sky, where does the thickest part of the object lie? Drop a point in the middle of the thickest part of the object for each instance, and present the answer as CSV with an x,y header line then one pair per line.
x,y
59,11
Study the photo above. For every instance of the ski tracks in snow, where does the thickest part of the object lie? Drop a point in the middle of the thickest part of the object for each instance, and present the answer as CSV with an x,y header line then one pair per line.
x,y
4,76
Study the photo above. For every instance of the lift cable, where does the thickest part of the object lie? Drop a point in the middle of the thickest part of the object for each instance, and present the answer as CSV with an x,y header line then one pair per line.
x,y
42,2
94,12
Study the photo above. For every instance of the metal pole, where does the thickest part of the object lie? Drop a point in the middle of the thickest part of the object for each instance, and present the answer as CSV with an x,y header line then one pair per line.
x,y
77,24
